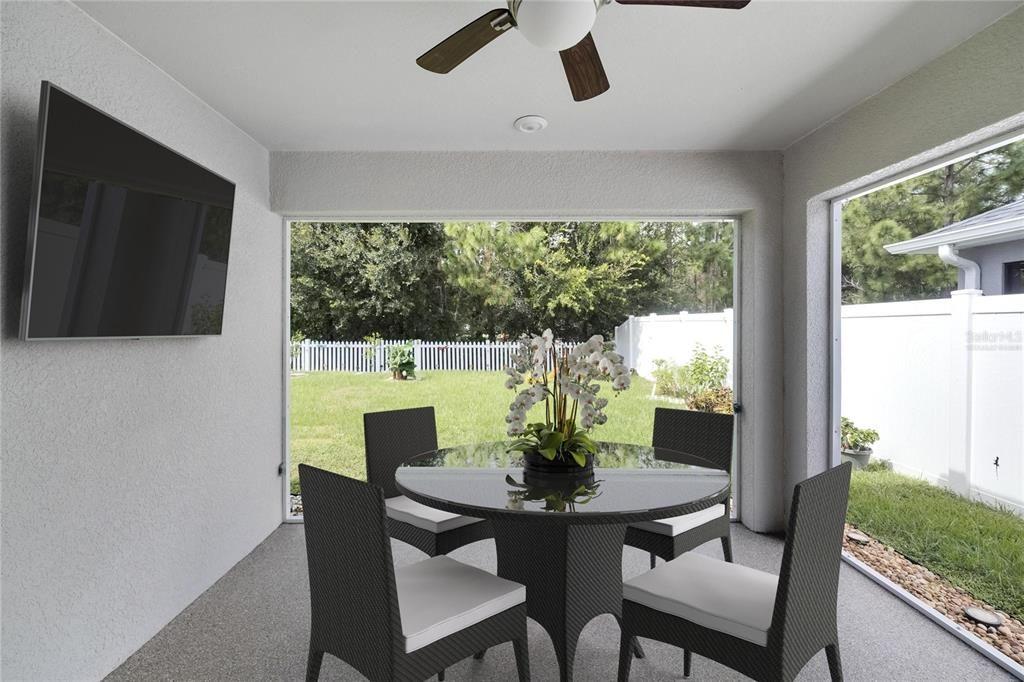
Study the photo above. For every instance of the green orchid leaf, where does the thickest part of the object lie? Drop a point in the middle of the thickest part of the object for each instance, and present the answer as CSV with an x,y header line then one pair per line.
x,y
548,453
580,458
514,483
552,441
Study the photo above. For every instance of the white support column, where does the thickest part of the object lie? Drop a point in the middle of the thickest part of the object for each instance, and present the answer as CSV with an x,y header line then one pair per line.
x,y
960,389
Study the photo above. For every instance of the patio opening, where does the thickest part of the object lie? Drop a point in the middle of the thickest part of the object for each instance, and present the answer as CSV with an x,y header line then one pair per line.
x,y
398,314
932,387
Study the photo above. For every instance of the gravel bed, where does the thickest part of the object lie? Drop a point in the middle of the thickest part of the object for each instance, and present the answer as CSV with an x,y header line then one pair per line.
x,y
296,505
939,593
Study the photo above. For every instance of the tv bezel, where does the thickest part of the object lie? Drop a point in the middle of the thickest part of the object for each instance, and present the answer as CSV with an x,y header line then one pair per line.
x,y
33,228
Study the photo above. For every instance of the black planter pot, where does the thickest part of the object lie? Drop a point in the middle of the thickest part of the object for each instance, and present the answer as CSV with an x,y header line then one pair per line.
x,y
538,464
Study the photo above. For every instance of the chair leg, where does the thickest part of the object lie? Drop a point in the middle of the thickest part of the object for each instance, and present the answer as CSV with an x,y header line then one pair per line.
x,y
727,548
654,560
625,655
522,659
479,656
313,665
638,651
687,662
440,676
835,664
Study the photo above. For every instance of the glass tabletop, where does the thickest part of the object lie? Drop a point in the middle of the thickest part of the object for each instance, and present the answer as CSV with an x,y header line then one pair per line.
x,y
628,483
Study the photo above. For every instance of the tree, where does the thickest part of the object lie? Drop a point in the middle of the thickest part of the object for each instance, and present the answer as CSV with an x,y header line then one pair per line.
x,y
350,280
912,208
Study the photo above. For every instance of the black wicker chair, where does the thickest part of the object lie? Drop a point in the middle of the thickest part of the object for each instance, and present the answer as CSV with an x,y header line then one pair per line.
x,y
763,626
391,438
707,436
394,624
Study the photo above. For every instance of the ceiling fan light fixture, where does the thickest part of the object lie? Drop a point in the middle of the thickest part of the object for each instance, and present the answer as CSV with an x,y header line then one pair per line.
x,y
530,124
554,24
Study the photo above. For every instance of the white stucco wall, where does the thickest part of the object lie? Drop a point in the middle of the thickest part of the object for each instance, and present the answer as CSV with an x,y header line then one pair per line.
x,y
970,94
590,185
135,474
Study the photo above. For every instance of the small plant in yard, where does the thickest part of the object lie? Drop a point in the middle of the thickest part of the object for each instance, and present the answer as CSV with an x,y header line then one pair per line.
x,y
700,383
566,382
402,362
295,348
877,465
856,439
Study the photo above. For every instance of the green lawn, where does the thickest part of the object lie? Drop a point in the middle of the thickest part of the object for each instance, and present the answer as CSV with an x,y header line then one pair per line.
x,y
975,547
327,413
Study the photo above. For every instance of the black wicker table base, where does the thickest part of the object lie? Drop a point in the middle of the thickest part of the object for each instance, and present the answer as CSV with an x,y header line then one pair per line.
x,y
572,573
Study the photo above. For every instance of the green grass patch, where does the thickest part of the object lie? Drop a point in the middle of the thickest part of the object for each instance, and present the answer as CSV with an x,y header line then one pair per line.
x,y
327,413
976,547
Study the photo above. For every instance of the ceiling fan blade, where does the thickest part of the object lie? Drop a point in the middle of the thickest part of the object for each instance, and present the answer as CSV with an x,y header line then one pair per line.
x,y
464,43
716,4
584,70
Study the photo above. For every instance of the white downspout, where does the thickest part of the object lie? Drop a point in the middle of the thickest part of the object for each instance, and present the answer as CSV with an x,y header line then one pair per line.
x,y
961,371
972,273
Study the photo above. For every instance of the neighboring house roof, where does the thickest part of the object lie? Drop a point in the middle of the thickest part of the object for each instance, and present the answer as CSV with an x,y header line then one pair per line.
x,y
1002,224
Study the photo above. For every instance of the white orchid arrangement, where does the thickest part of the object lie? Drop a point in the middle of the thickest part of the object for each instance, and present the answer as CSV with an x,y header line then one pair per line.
x,y
565,380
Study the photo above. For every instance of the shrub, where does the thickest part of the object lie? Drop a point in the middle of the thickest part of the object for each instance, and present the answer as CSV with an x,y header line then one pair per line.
x,y
699,381
712,400
402,362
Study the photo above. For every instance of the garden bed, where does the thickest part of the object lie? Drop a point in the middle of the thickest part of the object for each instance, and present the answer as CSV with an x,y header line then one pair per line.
x,y
940,594
948,551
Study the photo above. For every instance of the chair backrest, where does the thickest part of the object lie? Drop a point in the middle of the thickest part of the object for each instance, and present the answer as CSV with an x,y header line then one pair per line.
x,y
393,437
707,435
353,599
805,604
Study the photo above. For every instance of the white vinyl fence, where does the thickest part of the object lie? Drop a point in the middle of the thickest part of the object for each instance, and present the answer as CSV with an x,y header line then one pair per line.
x,y
941,381
943,384
642,340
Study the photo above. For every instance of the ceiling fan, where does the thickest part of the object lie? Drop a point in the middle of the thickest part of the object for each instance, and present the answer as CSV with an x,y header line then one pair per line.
x,y
557,25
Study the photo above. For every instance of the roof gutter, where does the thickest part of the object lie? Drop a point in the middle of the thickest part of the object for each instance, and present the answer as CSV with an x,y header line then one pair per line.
x,y
972,273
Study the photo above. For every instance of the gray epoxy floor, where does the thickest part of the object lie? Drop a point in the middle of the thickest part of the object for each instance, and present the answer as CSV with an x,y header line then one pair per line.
x,y
253,625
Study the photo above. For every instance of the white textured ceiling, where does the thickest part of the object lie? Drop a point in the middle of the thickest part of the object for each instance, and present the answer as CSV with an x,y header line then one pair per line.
x,y
342,75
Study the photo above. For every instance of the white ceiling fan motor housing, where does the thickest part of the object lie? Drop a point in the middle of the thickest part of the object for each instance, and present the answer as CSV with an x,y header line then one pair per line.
x,y
555,24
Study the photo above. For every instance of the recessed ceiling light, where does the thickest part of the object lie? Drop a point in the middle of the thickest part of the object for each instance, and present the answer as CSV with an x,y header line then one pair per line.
x,y
530,124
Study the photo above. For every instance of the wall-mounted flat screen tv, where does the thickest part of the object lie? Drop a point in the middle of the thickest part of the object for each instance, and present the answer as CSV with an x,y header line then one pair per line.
x,y
127,238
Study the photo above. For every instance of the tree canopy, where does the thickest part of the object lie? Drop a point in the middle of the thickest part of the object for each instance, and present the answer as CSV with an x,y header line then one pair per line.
x,y
501,279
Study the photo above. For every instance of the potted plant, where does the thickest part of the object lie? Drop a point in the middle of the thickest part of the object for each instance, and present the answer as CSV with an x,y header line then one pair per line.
x,y
565,380
402,362
855,443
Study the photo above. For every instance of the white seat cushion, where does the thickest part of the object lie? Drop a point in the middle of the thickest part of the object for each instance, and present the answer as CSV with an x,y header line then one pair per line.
x,y
438,597
401,508
729,598
680,524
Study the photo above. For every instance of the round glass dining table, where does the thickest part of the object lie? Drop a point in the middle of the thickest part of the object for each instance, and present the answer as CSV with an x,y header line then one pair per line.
x,y
562,535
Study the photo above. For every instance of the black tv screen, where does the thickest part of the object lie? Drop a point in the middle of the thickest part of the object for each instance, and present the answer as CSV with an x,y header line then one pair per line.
x,y
127,238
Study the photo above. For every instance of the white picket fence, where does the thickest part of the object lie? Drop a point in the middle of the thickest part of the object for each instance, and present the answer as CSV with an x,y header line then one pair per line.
x,y
362,356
